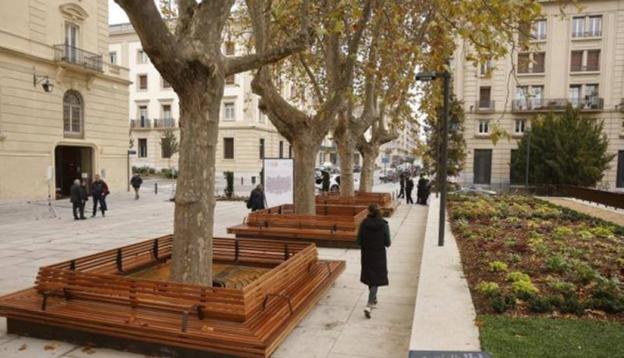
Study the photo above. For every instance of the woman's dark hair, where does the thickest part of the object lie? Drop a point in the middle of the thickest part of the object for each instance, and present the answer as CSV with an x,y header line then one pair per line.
x,y
373,211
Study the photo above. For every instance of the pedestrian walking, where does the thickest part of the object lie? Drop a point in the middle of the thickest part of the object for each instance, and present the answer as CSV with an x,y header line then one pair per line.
x,y
325,186
77,198
99,191
401,186
409,187
373,238
136,182
257,200
423,189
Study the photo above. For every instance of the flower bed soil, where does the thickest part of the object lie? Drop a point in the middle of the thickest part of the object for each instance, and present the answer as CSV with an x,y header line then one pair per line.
x,y
524,256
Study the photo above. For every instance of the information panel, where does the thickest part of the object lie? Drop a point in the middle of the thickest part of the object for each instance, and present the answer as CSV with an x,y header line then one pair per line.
x,y
278,181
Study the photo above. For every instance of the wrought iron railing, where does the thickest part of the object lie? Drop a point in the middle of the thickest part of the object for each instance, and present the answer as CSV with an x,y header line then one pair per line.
x,y
140,123
164,123
556,104
484,106
78,56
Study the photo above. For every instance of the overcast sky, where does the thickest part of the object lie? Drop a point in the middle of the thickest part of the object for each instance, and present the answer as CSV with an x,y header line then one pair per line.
x,y
115,14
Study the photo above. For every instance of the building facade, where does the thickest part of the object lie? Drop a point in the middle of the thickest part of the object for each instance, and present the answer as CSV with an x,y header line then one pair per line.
x,y
63,108
576,59
246,136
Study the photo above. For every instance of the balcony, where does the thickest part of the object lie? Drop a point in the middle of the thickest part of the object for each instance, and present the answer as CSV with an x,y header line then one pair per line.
x,y
164,123
586,34
582,69
589,104
79,57
142,123
484,106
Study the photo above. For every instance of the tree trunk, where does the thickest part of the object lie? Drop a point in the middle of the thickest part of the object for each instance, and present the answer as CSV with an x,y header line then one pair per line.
x,y
194,200
369,154
305,157
346,151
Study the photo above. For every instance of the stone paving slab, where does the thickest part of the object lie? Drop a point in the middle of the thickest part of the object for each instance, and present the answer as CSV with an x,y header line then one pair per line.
x,y
336,327
615,216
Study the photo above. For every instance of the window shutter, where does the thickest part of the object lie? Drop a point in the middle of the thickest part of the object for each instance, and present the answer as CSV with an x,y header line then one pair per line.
x,y
593,60
523,63
538,62
576,63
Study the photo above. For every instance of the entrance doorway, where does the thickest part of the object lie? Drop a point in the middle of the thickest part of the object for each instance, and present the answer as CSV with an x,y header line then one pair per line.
x,y
71,163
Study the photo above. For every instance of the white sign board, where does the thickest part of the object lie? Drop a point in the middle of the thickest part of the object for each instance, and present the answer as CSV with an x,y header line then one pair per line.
x,y
278,181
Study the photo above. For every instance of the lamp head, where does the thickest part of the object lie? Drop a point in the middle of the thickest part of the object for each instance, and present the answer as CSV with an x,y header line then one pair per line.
x,y
426,76
47,85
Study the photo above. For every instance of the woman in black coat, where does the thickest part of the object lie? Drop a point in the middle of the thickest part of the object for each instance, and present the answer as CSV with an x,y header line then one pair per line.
x,y
373,238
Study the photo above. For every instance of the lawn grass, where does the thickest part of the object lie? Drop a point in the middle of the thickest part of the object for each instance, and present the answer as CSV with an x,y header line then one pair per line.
x,y
509,337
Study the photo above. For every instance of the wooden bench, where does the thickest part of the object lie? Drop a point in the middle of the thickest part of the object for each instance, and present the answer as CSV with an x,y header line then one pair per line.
x,y
93,297
333,226
384,200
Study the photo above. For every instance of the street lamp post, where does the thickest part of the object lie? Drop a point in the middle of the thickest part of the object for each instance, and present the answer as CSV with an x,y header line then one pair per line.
x,y
443,165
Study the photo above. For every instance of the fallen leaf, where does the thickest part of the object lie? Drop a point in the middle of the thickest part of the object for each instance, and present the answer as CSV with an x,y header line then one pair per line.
x,y
23,347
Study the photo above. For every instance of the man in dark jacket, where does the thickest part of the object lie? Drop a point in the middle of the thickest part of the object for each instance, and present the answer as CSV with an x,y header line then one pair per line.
x,y
325,176
257,200
373,238
401,186
423,188
99,190
409,187
136,182
77,197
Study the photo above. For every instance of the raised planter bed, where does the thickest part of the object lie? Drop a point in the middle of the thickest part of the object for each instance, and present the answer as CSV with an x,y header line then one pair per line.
x,y
384,200
102,300
333,225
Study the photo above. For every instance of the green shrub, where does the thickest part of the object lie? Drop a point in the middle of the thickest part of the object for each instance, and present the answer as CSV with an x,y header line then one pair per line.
x,y
571,304
562,287
513,221
524,289
602,231
583,273
557,263
607,296
585,235
517,276
540,304
488,289
502,303
546,212
498,266
562,233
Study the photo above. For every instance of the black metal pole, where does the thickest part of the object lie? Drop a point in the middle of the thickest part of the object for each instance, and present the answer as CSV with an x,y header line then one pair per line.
x,y
444,157
528,160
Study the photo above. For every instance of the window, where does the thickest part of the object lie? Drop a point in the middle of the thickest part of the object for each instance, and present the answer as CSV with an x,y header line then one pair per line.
x,y
166,111
72,113
141,57
520,126
261,148
482,168
484,97
143,112
585,96
229,114
230,48
593,60
230,80
587,26
484,126
228,148
531,62
142,82
142,147
620,170
281,149
165,84
585,60
574,94
112,57
538,30
529,97
485,69
72,35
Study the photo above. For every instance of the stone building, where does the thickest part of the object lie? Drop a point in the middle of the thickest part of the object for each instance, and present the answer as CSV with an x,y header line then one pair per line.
x,y
245,134
63,107
577,59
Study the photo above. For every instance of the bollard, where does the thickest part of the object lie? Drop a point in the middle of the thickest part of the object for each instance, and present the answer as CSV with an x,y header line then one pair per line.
x,y
155,188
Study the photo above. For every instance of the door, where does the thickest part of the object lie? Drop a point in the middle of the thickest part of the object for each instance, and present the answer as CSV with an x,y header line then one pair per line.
x,y
71,163
620,170
71,42
482,166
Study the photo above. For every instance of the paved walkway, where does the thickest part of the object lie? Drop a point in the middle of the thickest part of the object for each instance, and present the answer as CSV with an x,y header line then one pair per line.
x,y
336,327
613,215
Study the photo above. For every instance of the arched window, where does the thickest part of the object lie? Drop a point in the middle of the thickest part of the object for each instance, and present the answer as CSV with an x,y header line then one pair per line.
x,y
72,113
